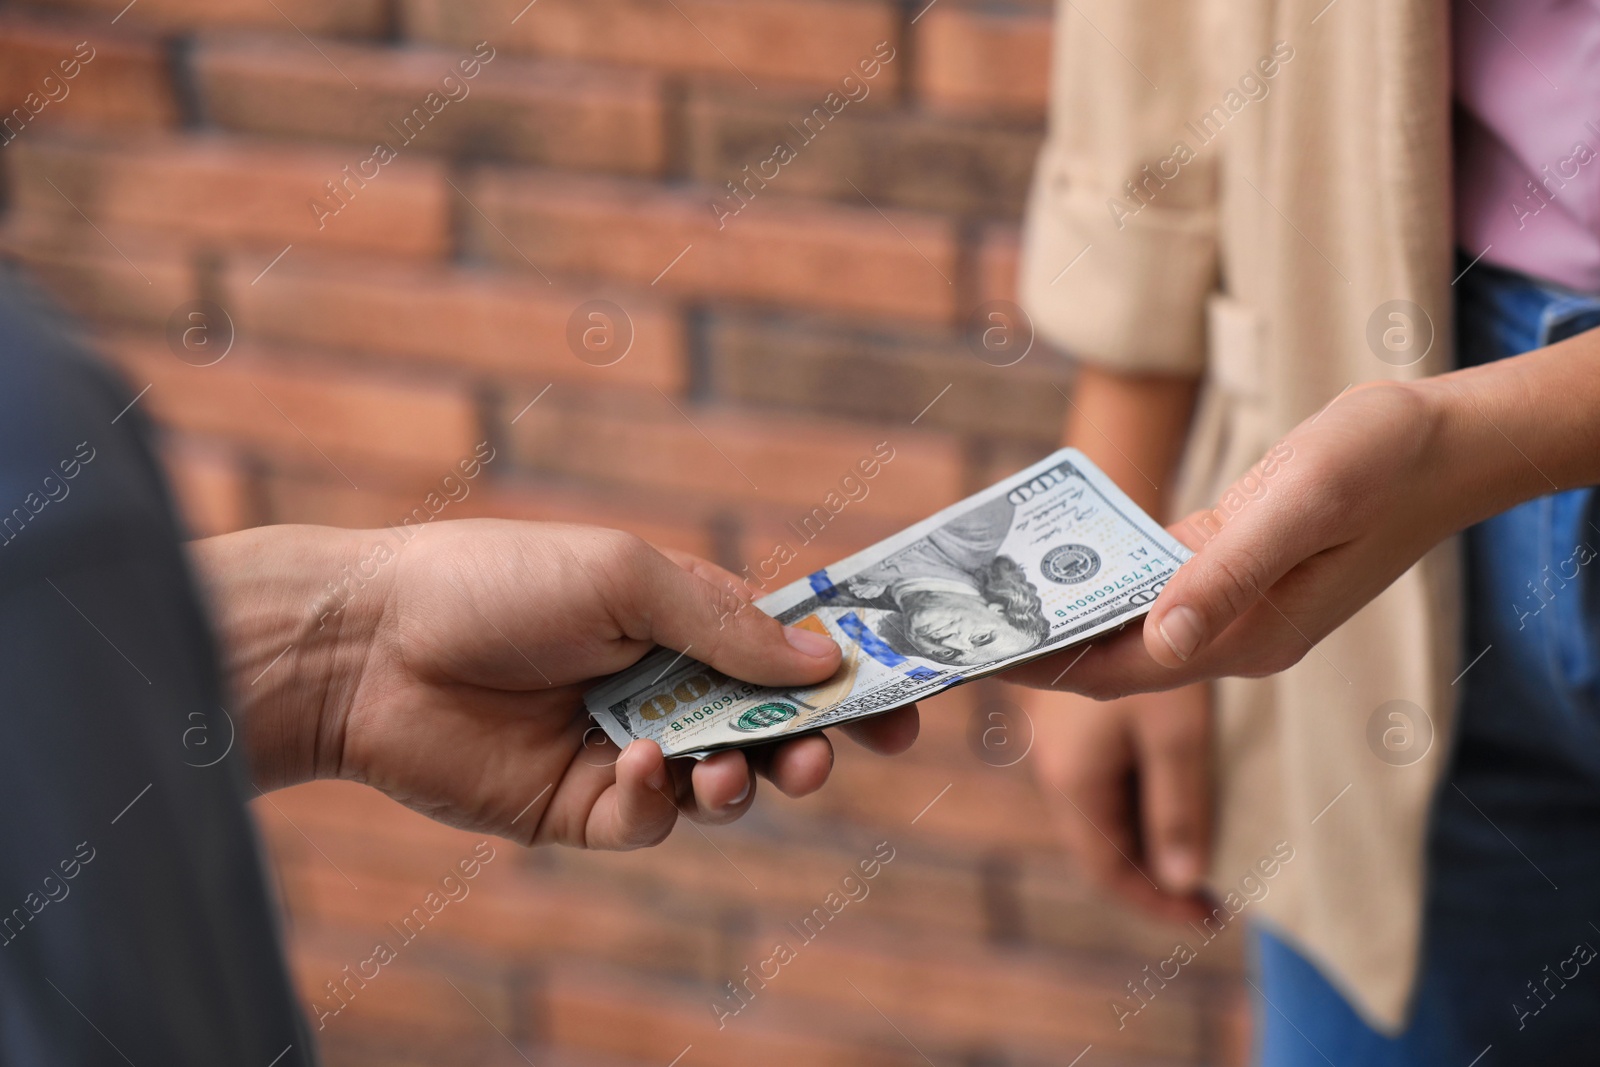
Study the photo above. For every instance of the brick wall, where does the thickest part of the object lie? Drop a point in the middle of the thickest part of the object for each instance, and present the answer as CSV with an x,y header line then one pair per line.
x,y
778,334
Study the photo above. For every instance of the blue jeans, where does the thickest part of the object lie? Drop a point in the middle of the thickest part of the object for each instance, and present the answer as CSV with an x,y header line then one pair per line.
x,y
1512,920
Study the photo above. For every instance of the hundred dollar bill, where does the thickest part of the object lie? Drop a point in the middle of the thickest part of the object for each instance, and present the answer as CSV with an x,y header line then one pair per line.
x,y
1043,560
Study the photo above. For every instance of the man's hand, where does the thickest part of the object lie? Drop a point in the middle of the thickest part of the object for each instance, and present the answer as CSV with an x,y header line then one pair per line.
x,y
448,671
1129,782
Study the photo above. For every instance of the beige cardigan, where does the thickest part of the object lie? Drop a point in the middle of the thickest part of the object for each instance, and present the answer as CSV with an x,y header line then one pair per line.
x,y
1298,156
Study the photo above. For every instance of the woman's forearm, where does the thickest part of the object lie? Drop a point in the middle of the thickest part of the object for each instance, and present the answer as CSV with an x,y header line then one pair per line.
x,y
1133,427
1522,427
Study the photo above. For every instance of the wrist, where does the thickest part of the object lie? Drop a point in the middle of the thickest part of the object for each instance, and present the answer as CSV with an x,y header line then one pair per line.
x,y
1518,428
294,610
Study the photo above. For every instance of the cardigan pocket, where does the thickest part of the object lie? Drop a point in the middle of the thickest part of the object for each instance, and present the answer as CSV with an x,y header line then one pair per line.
x,y
1235,343
1229,432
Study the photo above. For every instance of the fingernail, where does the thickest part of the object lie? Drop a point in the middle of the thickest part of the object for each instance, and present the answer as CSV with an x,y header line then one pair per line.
x,y
809,641
736,801
1178,867
1180,628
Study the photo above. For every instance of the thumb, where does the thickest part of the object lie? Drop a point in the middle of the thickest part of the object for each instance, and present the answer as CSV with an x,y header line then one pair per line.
x,y
713,624
1237,557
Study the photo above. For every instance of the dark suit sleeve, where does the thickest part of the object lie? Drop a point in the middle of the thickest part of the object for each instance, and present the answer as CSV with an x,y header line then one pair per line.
x,y
135,922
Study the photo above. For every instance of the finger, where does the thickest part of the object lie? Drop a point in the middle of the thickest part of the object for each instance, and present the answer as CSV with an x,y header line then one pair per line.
x,y
1106,846
798,767
704,568
723,788
636,810
888,734
1175,788
659,601
1112,666
1084,761
1091,797
1238,556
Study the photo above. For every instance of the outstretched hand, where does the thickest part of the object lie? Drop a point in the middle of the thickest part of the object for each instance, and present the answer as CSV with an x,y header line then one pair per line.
x,y
453,680
1334,513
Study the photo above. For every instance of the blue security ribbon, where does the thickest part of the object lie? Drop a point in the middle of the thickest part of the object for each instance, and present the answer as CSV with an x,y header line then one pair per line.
x,y
871,643
822,585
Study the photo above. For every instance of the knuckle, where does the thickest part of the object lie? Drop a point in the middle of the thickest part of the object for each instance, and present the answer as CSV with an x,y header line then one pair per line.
x,y
643,837
1231,582
1278,659
620,558
623,549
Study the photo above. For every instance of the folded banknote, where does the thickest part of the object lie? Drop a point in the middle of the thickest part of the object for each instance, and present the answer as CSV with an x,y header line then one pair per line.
x,y
1041,561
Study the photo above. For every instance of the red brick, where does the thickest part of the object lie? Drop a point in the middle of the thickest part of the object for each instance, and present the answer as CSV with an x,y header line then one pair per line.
x,y
1059,910
758,461
513,327
553,113
985,60
895,157
949,993
214,494
89,276
980,810
408,996
763,531
778,251
886,376
814,42
360,829
124,86
516,921
257,401
999,249
615,1013
348,1047
992,460
765,879
228,191
365,18
659,520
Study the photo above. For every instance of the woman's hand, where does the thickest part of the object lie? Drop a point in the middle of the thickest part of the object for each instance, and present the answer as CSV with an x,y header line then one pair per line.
x,y
1129,783
1344,505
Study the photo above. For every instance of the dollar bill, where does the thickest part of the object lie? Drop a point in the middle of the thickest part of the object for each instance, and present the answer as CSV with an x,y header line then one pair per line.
x,y
1041,561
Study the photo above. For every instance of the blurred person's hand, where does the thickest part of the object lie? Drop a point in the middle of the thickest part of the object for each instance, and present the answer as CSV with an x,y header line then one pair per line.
x,y
451,675
1129,781
1129,784
1344,505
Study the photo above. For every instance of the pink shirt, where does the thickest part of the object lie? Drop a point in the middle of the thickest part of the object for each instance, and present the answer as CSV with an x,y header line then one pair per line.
x,y
1527,153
